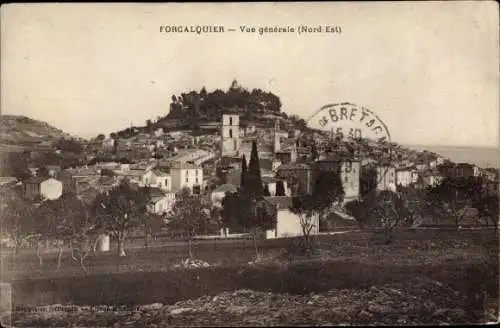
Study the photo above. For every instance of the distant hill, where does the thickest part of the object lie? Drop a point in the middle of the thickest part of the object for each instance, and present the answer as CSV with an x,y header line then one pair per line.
x,y
481,156
21,132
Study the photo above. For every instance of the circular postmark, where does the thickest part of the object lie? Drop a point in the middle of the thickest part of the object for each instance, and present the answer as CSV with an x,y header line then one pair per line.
x,y
356,134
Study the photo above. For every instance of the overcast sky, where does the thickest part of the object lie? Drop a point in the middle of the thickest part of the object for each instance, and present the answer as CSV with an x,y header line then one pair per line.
x,y
429,70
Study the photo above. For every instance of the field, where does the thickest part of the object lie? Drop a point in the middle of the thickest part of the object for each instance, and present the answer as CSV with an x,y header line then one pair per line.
x,y
422,277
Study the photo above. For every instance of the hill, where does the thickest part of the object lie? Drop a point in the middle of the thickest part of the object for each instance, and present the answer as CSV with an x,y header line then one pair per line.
x,y
21,132
191,109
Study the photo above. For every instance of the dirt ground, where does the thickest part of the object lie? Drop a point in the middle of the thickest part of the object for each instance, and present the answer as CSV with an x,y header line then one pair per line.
x,y
420,278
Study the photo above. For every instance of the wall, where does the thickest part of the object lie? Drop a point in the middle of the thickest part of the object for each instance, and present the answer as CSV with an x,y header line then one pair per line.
x,y
288,225
51,189
186,178
386,178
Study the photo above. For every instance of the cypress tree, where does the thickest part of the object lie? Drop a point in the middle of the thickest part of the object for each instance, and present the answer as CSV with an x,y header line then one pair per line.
x,y
244,172
253,178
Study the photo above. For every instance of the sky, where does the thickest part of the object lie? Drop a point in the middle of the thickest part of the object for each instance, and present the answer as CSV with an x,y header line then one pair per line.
x,y
428,70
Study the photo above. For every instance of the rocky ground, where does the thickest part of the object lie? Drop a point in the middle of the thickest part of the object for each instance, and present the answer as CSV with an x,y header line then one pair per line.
x,y
415,302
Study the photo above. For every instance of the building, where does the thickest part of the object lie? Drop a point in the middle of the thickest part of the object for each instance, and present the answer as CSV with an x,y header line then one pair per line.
x,y
53,170
464,170
161,202
195,156
230,137
349,174
163,180
430,179
288,224
406,176
186,175
299,177
7,181
45,188
219,193
386,178
142,177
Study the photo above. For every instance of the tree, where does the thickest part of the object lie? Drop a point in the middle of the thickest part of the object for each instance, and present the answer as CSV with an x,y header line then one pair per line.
x,y
314,152
487,207
107,172
253,181
43,172
63,220
152,226
305,207
243,212
359,209
328,192
17,165
449,198
69,145
280,188
188,215
120,210
244,172
16,218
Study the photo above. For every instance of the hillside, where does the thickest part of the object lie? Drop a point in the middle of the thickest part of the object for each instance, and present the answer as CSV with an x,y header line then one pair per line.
x,y
19,132
191,109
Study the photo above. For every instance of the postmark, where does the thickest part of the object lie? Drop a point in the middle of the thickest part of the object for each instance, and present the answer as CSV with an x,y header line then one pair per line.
x,y
359,128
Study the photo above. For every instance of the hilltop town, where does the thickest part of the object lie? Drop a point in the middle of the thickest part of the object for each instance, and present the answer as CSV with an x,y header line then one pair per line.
x,y
190,148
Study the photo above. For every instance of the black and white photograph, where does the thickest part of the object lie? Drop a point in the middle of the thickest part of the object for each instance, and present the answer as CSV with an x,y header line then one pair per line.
x,y
249,164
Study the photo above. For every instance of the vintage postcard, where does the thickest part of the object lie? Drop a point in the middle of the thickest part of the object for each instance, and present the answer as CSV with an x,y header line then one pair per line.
x,y
249,164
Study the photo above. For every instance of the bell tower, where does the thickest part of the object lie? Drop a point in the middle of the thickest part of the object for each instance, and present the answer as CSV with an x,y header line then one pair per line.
x,y
276,136
230,135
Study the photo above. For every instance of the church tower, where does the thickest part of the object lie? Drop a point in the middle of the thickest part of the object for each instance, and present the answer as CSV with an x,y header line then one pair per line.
x,y
276,136
230,135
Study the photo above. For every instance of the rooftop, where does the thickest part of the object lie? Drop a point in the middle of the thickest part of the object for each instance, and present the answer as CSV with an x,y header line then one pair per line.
x,y
295,166
282,202
226,188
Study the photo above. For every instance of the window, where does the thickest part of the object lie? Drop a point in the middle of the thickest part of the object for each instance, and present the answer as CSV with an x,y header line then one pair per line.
x,y
231,133
187,180
196,180
230,121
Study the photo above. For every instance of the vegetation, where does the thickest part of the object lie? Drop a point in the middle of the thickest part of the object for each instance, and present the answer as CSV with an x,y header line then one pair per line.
x,y
189,216
311,208
120,210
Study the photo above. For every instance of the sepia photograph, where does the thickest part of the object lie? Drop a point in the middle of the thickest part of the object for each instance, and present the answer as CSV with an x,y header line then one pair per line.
x,y
249,164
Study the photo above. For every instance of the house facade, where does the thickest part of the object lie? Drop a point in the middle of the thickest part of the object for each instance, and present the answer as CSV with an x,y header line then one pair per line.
x,y
406,176
288,224
161,203
299,177
186,175
349,174
45,188
386,178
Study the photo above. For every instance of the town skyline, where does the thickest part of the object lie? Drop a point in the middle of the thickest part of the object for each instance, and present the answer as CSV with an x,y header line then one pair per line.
x,y
435,75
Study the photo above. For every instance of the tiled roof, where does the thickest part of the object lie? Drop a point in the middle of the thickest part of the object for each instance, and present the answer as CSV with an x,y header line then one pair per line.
x,y
282,202
177,165
160,172
36,180
295,166
267,179
226,188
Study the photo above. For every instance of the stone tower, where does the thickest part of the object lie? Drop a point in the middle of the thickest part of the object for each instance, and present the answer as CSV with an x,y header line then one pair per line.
x,y
230,135
276,136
